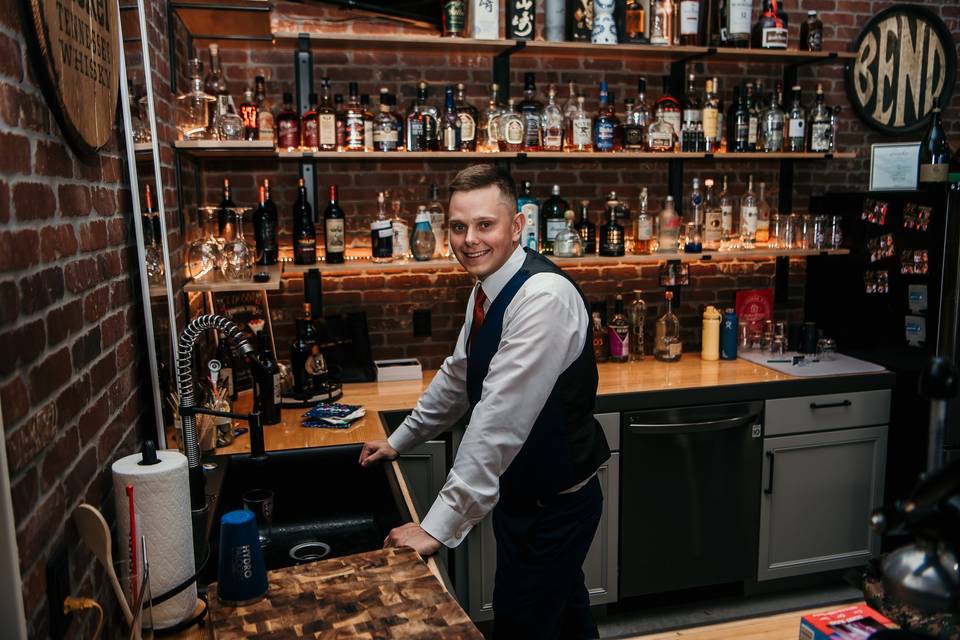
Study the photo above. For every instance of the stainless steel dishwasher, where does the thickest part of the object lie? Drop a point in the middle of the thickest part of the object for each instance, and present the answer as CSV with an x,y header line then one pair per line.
x,y
689,506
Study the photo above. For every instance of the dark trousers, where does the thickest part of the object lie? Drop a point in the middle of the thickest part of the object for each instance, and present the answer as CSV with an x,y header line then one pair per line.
x,y
538,590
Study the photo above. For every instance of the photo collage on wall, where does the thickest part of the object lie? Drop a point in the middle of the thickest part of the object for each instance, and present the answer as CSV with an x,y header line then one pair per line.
x,y
883,247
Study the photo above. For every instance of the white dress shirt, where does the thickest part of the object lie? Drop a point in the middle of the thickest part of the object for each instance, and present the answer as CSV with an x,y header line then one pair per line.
x,y
544,330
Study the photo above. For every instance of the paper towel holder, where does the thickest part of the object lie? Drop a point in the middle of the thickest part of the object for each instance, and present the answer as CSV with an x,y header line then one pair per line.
x,y
148,454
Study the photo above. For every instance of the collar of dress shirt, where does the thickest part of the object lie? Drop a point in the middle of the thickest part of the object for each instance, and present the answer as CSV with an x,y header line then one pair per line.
x,y
494,283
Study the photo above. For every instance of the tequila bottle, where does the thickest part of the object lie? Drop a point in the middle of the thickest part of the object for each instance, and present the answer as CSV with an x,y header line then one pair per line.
x,y
581,129
712,218
643,226
660,135
567,242
748,217
796,124
667,346
612,243
552,123
531,110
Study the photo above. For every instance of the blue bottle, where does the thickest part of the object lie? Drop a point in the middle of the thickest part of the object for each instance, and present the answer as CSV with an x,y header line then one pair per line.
x,y
728,335
530,208
604,124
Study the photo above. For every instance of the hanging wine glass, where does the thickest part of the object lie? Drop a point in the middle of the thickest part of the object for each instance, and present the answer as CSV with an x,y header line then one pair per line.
x,y
238,256
153,255
205,256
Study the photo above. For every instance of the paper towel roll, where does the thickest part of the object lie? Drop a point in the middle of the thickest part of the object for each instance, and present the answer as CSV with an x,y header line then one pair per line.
x,y
161,494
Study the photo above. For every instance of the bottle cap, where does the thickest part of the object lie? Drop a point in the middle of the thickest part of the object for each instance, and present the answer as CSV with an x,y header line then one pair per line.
x,y
811,13
422,215
711,313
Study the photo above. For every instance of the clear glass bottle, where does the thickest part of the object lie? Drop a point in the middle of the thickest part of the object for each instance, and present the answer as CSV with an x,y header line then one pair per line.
x,y
711,119
729,241
613,242
193,107
693,241
643,226
567,243
796,124
661,23
712,218
354,122
266,125
401,231
748,217
511,134
387,127
552,122
637,317
489,127
667,346
669,228
569,112
637,120
820,127
438,221
668,107
381,233
468,120
586,229
531,110
763,215
581,129
450,126
215,85
238,256
424,242
660,135
552,219
773,123
326,119
618,331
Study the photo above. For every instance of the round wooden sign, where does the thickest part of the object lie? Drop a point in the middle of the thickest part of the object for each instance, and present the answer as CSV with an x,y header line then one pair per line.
x,y
905,59
75,51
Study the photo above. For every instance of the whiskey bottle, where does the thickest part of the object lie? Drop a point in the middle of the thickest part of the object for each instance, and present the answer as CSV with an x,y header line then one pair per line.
x,y
748,217
454,18
304,233
772,124
531,110
636,120
689,26
264,232
618,331
510,136
288,125
265,121
711,119
643,227
661,23
334,231
753,109
935,150
669,107
637,13
637,317
468,120
354,122
712,218
581,129
612,243
735,31
811,33
367,122
422,123
667,346
450,127
387,127
796,124
586,229
248,111
381,233
600,337
552,219
489,126
310,126
821,125
552,122
692,115
668,237
569,112
604,124
326,119
770,31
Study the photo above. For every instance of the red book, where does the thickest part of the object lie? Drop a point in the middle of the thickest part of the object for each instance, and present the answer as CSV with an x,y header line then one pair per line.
x,y
858,621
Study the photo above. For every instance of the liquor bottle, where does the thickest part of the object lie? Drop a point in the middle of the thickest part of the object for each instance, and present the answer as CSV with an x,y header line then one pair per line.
x,y
753,123
821,125
660,135
618,331
748,217
288,125
438,220
225,214
728,241
326,119
248,111
620,209
421,128
510,136
612,241
661,23
552,218
381,233
567,242
834,127
604,124
530,111
552,122
367,122
711,119
934,150
735,31
270,205
334,231
586,229
265,121
423,244
450,127
310,126
668,238
600,338
353,122
667,346
637,317
796,124
763,215
215,85
636,120
530,208
689,26
693,236
581,129
468,120
771,128
637,14
302,353
692,115
669,107
569,112
811,33
489,126
738,137
401,232
270,398
264,232
643,227
770,31
304,233
340,121
387,127
454,18
712,218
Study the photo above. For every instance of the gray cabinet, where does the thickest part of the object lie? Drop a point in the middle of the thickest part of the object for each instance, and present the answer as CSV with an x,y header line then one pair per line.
x,y
425,470
818,492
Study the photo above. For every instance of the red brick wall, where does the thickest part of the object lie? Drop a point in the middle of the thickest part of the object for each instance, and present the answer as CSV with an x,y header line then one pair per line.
x,y
70,327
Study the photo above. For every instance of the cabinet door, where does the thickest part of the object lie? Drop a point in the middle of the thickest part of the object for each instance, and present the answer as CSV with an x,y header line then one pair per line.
x,y
599,567
818,492
424,468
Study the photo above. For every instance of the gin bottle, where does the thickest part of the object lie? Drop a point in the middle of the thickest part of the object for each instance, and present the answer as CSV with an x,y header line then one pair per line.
x,y
531,110
748,217
796,124
667,346
773,122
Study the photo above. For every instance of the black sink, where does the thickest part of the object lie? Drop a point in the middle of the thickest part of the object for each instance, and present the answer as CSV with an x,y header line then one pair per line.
x,y
325,504
391,420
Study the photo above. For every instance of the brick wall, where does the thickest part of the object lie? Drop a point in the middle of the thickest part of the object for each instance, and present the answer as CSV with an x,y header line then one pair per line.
x,y
389,298
70,327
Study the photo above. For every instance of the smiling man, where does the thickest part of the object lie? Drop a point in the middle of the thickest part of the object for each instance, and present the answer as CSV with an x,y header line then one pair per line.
x,y
523,368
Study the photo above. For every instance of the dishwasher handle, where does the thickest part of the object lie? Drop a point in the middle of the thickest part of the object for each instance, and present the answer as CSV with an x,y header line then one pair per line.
x,y
639,428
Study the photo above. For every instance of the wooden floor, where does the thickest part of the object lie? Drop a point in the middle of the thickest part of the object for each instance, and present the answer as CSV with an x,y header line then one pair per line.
x,y
782,626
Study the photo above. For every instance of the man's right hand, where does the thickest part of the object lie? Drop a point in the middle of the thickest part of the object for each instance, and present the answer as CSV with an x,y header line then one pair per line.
x,y
376,450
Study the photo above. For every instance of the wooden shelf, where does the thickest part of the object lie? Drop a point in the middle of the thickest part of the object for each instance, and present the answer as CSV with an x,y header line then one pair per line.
x,y
398,42
232,285
393,155
226,148
225,20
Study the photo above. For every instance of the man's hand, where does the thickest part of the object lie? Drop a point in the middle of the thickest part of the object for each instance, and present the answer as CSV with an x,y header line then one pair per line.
x,y
411,535
376,450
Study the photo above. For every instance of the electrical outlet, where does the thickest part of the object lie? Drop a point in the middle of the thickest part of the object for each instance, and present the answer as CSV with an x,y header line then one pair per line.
x,y
58,588
422,323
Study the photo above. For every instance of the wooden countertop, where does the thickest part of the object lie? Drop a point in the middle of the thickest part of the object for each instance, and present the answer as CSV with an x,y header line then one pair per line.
x,y
615,378
388,593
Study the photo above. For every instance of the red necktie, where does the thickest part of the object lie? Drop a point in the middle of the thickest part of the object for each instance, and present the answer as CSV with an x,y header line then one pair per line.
x,y
478,313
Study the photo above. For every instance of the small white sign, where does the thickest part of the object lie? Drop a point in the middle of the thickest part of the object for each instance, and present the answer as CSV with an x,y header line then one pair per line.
x,y
894,166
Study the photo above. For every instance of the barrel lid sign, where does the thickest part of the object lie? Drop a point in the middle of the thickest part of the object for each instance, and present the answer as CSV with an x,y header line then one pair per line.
x,y
906,57
75,51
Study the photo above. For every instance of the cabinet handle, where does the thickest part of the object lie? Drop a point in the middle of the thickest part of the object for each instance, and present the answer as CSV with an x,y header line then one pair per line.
x,y
771,457
830,405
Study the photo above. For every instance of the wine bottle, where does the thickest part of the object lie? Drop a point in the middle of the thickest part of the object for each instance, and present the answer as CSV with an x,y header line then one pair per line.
x,y
264,232
304,233
334,233
934,150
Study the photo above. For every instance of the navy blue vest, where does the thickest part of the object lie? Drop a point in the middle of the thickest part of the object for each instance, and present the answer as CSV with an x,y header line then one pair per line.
x,y
566,443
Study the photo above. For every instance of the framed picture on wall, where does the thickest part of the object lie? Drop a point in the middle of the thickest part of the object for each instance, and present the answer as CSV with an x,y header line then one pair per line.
x,y
894,166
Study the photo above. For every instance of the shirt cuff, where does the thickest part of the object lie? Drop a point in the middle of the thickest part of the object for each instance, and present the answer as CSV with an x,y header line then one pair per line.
x,y
445,524
402,439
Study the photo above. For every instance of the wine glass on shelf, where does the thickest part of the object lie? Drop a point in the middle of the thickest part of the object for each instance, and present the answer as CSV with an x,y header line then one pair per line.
x,y
238,256
153,255
205,255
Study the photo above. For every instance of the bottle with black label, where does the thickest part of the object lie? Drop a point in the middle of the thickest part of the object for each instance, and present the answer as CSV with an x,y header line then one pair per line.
x,y
302,354
770,31
612,243
225,213
530,111
381,233
618,331
304,233
270,386
586,229
552,218
264,232
334,230
934,150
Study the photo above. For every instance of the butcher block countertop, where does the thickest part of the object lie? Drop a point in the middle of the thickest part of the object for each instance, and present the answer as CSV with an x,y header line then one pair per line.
x,y
620,386
389,593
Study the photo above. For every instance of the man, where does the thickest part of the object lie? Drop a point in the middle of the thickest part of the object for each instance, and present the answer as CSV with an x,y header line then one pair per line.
x,y
524,367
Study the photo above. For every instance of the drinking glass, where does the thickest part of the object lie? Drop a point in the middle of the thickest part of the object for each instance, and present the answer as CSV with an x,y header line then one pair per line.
x,y
835,233
819,233
777,238
238,256
152,254
205,255
260,503
802,233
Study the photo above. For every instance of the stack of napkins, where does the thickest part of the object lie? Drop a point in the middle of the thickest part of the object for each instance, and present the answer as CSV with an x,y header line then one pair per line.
x,y
333,414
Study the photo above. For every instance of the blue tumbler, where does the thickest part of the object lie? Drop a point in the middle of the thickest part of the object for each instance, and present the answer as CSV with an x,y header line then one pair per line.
x,y
728,335
241,574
